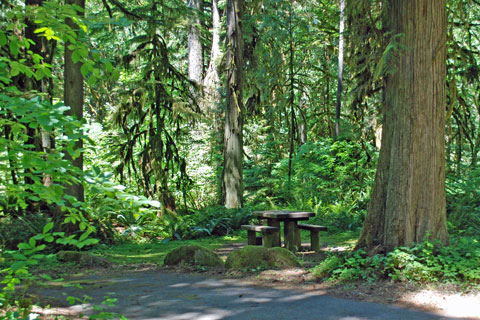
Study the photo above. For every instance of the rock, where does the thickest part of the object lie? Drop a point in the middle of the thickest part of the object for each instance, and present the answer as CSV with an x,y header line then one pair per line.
x,y
256,257
193,255
84,259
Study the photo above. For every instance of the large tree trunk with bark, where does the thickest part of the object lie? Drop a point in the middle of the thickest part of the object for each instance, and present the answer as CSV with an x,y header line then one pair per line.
x,y
73,96
408,200
233,153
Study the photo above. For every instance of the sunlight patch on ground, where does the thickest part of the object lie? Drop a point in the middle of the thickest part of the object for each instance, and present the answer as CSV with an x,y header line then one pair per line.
x,y
454,305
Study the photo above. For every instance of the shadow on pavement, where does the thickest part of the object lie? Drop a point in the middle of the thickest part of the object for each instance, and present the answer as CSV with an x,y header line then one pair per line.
x,y
175,296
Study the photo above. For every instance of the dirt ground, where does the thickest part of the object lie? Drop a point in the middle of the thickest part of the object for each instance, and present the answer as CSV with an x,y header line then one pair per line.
x,y
445,300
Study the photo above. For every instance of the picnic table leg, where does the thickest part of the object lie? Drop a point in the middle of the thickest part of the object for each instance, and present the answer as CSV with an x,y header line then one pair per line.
x,y
291,231
298,237
315,241
275,223
252,238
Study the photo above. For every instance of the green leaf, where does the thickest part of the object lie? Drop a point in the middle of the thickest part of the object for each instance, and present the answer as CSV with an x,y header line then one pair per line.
x,y
24,246
116,74
40,30
18,265
32,262
84,236
86,68
3,39
46,277
76,56
92,80
109,66
32,243
39,74
14,48
48,227
38,237
14,71
19,256
33,125
71,300
90,241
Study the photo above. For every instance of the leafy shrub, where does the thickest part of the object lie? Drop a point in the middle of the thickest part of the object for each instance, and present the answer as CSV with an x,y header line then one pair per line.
x,y
431,262
424,262
14,230
352,266
326,267
216,221
115,208
463,201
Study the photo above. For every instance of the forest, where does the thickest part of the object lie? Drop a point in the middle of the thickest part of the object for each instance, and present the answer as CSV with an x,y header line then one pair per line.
x,y
164,121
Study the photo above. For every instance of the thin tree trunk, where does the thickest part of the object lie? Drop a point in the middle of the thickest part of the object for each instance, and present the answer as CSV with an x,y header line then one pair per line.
x,y
340,68
73,96
291,98
211,102
195,48
44,48
233,153
408,200
212,79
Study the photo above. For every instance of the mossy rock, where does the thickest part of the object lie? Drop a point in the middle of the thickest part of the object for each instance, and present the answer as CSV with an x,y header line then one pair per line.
x,y
83,259
256,257
193,255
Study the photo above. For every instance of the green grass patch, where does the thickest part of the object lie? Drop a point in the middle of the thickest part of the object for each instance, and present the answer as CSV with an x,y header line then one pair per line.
x,y
155,252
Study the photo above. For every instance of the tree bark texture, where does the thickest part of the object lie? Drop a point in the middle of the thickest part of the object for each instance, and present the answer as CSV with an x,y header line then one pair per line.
x,y
73,96
212,98
408,199
233,139
212,78
195,47
340,68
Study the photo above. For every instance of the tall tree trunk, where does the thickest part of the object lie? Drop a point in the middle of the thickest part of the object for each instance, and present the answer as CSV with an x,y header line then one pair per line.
x,y
212,79
291,99
73,96
340,68
233,139
408,200
211,102
38,138
195,48
30,83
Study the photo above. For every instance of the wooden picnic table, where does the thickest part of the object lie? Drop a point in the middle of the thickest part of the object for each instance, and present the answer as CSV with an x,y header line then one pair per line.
x,y
290,221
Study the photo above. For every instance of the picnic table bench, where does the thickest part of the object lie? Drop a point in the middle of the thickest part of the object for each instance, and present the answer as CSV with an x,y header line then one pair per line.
x,y
268,238
314,237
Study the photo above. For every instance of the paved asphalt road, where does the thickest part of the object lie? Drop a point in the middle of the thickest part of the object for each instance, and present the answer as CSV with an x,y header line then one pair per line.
x,y
149,295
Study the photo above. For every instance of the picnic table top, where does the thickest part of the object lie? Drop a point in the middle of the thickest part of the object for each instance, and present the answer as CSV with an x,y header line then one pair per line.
x,y
284,214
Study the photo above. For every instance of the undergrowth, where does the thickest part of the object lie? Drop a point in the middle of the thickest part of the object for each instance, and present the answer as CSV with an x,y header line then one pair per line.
x,y
425,262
